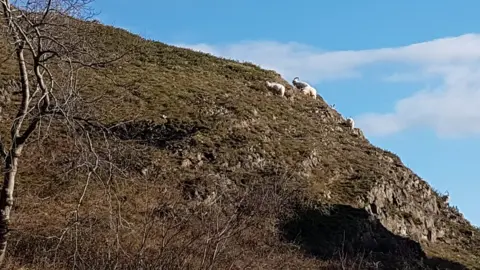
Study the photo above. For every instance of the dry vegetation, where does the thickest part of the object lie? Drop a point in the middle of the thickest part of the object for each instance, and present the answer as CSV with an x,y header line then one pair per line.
x,y
224,181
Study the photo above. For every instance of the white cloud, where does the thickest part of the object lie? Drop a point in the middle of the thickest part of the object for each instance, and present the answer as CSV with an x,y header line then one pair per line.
x,y
407,77
451,109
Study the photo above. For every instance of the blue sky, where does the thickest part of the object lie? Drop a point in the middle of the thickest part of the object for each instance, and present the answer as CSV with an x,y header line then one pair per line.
x,y
407,71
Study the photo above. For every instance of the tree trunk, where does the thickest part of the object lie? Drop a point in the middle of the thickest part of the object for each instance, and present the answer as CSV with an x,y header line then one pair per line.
x,y
6,198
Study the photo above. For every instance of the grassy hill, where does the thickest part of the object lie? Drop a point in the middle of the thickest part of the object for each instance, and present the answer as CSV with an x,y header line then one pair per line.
x,y
202,168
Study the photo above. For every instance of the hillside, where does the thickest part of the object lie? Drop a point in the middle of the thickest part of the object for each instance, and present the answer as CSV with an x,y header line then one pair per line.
x,y
202,167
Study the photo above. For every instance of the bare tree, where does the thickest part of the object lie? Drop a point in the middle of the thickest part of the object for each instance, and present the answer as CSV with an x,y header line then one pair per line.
x,y
50,50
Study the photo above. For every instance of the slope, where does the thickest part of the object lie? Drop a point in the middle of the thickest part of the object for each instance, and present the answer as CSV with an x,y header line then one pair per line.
x,y
203,167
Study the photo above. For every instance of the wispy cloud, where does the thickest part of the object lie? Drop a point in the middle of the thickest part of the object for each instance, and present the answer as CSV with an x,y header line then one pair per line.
x,y
451,108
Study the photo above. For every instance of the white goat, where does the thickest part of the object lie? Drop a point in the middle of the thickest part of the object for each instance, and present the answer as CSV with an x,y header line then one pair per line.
x,y
350,123
306,88
446,197
299,84
309,90
280,88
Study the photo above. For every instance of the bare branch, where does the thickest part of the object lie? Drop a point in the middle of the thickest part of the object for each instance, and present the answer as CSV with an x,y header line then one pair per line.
x,y
24,37
47,10
51,49
25,85
32,126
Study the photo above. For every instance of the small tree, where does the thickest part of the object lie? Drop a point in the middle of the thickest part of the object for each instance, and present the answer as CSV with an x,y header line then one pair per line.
x,y
49,49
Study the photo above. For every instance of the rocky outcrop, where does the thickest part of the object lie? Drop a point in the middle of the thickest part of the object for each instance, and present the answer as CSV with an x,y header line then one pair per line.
x,y
408,206
402,201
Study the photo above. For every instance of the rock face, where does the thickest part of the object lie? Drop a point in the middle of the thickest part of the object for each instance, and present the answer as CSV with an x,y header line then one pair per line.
x,y
408,206
405,205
